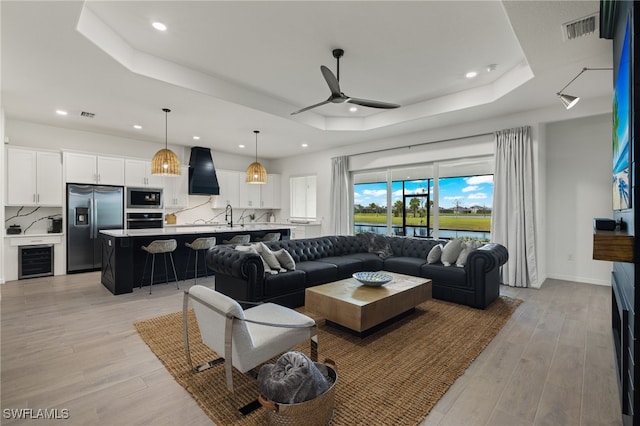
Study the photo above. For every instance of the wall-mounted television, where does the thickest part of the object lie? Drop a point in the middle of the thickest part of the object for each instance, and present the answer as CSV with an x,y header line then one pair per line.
x,y
621,129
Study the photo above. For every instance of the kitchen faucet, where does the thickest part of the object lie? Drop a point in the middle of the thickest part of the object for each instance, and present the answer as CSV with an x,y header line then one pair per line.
x,y
228,215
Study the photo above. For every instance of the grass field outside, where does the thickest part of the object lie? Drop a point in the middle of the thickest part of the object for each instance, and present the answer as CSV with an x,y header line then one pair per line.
x,y
465,222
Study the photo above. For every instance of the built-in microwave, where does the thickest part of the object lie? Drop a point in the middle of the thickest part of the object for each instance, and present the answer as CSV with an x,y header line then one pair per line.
x,y
144,198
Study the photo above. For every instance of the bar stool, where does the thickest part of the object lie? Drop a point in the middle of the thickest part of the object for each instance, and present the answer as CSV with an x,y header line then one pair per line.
x,y
271,236
199,244
157,247
238,239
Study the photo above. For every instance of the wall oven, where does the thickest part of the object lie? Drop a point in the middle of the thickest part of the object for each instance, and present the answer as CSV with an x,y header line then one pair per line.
x,y
144,198
144,220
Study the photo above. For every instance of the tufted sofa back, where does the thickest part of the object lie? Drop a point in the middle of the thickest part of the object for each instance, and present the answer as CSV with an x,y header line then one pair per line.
x,y
419,247
343,245
307,249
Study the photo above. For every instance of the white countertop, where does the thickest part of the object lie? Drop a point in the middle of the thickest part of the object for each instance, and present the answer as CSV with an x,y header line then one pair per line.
x,y
192,229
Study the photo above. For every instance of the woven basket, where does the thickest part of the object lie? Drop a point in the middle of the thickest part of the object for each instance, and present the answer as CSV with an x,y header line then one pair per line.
x,y
315,412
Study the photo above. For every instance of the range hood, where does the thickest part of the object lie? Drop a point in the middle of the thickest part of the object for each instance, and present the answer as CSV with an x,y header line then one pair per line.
x,y
202,173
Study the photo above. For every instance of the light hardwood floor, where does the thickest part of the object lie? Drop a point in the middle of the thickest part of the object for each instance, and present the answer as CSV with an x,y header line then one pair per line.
x,y
68,343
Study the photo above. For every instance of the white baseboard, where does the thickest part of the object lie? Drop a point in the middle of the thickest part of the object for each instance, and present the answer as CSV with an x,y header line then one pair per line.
x,y
586,280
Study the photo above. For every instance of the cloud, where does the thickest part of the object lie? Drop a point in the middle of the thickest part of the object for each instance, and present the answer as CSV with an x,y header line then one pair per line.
x,y
470,188
478,196
458,197
477,180
374,192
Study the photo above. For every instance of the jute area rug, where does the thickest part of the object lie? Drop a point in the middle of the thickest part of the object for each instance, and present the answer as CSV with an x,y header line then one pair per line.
x,y
392,377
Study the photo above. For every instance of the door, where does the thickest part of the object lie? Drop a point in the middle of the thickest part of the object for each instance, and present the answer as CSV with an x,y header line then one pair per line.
x,y
108,202
79,228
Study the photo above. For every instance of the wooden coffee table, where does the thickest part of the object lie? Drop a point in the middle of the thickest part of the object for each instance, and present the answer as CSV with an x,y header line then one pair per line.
x,y
359,308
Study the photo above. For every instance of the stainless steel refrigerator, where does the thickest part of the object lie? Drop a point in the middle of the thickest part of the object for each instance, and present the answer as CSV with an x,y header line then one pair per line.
x,y
91,208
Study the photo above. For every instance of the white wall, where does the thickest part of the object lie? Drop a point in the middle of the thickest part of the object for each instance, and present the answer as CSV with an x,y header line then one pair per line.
x,y
2,191
578,188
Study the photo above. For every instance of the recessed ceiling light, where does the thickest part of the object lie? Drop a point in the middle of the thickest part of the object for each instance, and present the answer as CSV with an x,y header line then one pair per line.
x,y
471,74
137,126
61,112
353,109
196,138
159,26
240,146
304,145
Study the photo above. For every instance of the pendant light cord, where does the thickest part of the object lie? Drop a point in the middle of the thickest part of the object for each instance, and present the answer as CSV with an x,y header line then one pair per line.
x,y
256,132
166,119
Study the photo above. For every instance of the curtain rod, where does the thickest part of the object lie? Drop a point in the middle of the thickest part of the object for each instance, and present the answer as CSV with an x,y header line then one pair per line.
x,y
423,143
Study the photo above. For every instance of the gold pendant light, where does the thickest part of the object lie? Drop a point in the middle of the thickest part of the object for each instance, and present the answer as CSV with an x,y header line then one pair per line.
x,y
256,173
165,162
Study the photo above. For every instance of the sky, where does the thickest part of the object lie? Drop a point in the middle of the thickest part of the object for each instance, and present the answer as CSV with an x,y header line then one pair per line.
x,y
468,191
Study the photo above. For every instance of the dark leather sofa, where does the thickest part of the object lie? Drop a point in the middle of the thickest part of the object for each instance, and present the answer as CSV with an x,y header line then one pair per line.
x,y
241,275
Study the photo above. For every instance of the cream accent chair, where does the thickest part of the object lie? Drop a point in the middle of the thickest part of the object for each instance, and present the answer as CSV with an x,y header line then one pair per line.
x,y
246,338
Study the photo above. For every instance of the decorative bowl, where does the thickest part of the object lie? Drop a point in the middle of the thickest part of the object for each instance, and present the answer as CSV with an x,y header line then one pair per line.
x,y
373,279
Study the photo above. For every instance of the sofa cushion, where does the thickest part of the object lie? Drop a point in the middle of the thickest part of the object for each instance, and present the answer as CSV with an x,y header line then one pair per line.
x,y
404,265
284,282
451,251
370,261
346,265
318,272
444,275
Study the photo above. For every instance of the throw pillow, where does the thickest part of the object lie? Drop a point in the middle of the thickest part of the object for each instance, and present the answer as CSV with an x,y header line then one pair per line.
x,y
294,378
467,248
285,259
252,249
268,256
379,245
434,254
451,251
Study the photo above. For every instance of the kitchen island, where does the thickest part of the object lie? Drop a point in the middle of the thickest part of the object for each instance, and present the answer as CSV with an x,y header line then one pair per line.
x,y
123,258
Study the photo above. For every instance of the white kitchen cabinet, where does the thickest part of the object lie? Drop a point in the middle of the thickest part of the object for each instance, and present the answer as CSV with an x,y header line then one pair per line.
x,y
176,189
33,178
305,231
229,182
249,194
137,173
270,192
93,169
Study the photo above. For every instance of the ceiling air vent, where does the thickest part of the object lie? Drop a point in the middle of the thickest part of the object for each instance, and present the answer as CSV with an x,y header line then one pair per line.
x,y
87,114
580,27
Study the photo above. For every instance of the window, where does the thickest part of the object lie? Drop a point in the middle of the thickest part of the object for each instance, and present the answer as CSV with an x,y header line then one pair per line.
x,y
445,207
465,204
302,190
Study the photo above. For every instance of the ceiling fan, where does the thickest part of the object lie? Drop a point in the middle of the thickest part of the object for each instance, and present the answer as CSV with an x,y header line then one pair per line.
x,y
337,97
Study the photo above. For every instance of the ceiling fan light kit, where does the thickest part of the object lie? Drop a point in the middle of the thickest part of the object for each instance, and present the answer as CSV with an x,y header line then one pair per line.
x,y
570,101
337,96
256,173
165,162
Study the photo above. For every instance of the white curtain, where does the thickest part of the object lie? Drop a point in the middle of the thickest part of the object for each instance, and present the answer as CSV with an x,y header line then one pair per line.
x,y
513,221
341,194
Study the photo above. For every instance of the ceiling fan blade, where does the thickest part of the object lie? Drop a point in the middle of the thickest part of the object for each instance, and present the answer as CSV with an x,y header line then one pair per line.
x,y
372,104
310,107
331,80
